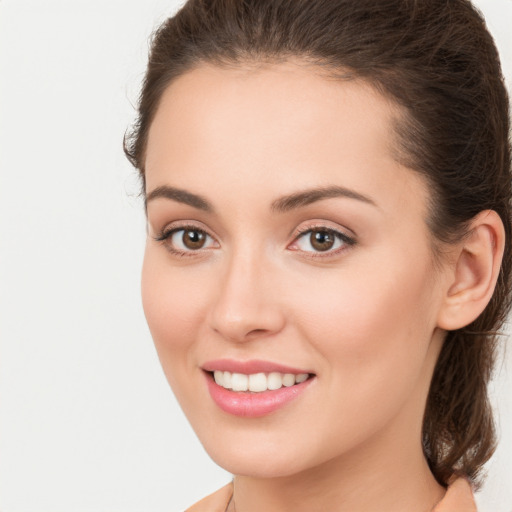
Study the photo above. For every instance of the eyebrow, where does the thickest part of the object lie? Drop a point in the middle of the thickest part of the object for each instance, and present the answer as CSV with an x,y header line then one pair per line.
x,y
181,196
303,198
280,205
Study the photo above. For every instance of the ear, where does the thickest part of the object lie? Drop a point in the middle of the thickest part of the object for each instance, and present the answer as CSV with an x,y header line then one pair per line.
x,y
474,272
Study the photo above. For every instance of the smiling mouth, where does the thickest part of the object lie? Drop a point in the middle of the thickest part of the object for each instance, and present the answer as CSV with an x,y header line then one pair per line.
x,y
257,382
251,395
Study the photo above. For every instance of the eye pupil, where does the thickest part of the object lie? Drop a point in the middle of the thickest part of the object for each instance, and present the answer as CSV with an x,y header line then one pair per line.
x,y
193,239
322,240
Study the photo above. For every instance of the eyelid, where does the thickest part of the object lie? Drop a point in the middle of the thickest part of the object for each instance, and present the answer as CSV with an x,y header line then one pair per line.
x,y
181,224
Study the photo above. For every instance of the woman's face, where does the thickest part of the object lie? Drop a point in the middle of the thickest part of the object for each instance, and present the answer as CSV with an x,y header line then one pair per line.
x,y
284,238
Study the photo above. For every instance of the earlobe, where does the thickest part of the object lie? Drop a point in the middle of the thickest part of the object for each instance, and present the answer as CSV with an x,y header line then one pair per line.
x,y
474,273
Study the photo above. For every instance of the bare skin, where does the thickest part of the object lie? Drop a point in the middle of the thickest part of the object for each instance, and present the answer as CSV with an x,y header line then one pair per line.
x,y
364,317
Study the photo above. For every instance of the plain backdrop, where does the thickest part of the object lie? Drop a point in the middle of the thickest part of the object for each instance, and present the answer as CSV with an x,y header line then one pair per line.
x,y
87,422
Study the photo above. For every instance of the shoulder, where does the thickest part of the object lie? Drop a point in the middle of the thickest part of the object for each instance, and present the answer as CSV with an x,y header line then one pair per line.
x,y
216,502
458,498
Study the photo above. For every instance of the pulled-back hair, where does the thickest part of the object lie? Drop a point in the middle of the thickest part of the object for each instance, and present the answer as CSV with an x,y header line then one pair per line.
x,y
438,62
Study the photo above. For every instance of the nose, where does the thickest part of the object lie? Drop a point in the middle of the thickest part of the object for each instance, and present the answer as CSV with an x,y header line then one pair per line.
x,y
246,305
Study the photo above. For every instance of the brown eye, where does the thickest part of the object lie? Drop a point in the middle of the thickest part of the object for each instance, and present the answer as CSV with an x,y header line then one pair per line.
x,y
322,240
193,239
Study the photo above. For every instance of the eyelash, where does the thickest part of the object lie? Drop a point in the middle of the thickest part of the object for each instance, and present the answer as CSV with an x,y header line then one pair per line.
x,y
346,240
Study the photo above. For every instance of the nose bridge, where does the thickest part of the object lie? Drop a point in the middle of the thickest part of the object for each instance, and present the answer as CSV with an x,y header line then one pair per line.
x,y
246,306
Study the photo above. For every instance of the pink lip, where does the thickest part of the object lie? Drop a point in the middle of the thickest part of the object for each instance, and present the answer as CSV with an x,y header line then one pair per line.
x,y
248,367
247,404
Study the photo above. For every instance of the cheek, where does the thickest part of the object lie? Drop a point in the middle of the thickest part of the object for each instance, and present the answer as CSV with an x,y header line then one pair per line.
x,y
173,302
373,329
359,309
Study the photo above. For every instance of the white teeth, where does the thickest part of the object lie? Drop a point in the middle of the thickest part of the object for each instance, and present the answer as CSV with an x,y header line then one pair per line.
x,y
288,379
257,382
275,380
219,377
239,382
227,380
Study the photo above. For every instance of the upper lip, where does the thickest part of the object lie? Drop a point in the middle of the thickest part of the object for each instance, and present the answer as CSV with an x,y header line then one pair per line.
x,y
249,367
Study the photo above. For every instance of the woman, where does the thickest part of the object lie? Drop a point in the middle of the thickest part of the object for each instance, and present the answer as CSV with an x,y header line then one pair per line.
x,y
328,259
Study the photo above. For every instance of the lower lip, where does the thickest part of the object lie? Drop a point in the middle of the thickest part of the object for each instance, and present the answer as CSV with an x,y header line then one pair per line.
x,y
251,405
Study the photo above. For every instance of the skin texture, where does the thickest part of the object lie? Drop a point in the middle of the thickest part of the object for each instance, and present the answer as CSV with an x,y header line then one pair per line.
x,y
364,318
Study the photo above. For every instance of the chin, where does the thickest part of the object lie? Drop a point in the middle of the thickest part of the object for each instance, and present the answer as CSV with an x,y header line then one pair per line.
x,y
258,459
244,466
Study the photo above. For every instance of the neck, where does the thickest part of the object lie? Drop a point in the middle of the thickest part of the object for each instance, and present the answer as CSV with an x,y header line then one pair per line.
x,y
354,484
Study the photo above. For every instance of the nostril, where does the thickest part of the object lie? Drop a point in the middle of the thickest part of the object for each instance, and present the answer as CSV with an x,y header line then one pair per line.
x,y
256,331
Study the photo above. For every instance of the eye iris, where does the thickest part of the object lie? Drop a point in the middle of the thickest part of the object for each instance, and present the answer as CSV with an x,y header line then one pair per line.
x,y
193,239
322,240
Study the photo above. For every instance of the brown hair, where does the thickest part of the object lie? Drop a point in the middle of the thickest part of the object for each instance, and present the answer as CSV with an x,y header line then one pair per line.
x,y
436,60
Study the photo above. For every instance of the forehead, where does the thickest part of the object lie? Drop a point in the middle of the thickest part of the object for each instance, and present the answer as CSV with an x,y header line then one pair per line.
x,y
287,99
281,126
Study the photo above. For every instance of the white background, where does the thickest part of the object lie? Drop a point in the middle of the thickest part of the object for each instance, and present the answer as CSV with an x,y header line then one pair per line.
x,y
87,422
